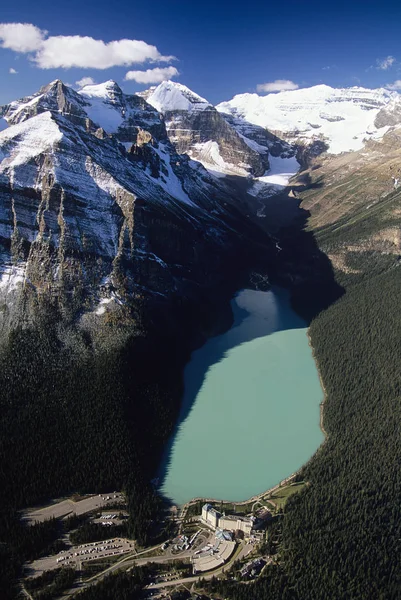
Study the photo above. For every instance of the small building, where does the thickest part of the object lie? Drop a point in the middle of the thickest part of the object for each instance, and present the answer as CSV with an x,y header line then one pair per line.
x,y
253,568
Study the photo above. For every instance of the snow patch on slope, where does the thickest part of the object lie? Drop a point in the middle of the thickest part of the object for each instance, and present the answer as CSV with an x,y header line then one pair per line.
x,y
171,184
208,154
102,109
103,179
26,140
277,177
11,277
171,96
18,109
101,309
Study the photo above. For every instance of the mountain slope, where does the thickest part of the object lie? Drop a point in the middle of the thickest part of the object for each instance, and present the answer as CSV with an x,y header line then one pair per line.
x,y
81,177
118,256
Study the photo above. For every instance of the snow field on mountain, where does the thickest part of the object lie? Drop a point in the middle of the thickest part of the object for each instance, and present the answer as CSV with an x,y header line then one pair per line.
x,y
169,96
16,107
208,154
343,117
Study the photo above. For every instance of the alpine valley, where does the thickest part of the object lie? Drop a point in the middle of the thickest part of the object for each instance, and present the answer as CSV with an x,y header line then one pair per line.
x,y
127,223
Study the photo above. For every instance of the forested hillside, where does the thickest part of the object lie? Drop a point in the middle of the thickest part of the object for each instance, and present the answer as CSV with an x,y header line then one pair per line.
x,y
341,535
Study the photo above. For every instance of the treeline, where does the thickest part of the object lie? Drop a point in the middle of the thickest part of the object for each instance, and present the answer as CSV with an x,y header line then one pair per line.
x,y
51,583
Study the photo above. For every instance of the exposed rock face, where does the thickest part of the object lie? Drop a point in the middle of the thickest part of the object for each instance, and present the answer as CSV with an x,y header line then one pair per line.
x,y
206,137
260,138
196,128
97,208
389,115
55,97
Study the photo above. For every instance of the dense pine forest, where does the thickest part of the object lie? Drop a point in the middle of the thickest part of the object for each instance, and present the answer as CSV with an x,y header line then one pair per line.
x,y
342,533
78,416
81,424
98,421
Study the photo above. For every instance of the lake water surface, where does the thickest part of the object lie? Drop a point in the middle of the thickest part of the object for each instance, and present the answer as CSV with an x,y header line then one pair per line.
x,y
250,413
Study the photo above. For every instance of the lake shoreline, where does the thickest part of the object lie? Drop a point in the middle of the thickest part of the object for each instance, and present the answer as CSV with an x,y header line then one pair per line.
x,y
290,477
278,319
322,386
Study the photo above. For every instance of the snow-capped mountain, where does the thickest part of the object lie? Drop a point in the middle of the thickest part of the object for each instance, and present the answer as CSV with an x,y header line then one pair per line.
x,y
104,197
170,96
196,128
97,206
342,118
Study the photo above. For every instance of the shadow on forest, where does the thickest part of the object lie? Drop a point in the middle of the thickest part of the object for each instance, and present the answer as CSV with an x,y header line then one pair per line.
x,y
297,264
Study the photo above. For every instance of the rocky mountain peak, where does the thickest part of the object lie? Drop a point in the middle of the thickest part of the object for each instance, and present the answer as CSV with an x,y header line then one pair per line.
x,y
196,128
108,89
55,97
91,178
53,85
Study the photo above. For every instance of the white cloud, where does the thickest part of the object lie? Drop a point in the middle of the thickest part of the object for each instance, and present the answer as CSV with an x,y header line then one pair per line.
x,y
394,86
86,52
385,63
67,51
12,71
280,85
152,75
85,81
21,37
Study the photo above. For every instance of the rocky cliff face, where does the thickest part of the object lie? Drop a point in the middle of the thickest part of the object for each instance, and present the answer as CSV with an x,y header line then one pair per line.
x,y
98,209
196,128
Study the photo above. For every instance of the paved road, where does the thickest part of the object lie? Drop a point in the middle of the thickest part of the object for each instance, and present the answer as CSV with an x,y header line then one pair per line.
x,y
210,575
26,593
130,561
184,507
245,550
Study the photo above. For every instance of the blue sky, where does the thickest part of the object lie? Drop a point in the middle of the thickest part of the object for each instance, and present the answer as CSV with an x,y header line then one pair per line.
x,y
221,50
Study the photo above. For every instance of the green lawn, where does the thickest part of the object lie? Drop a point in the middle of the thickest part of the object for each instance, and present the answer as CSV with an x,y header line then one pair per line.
x,y
281,496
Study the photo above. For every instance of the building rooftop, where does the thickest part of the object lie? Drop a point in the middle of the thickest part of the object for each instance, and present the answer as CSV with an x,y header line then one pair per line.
x,y
238,518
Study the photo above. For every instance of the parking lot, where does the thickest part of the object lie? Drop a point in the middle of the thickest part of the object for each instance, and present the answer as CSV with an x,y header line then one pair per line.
x,y
63,508
76,555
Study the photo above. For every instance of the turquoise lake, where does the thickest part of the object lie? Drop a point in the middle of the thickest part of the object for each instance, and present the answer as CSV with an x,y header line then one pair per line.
x,y
250,412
